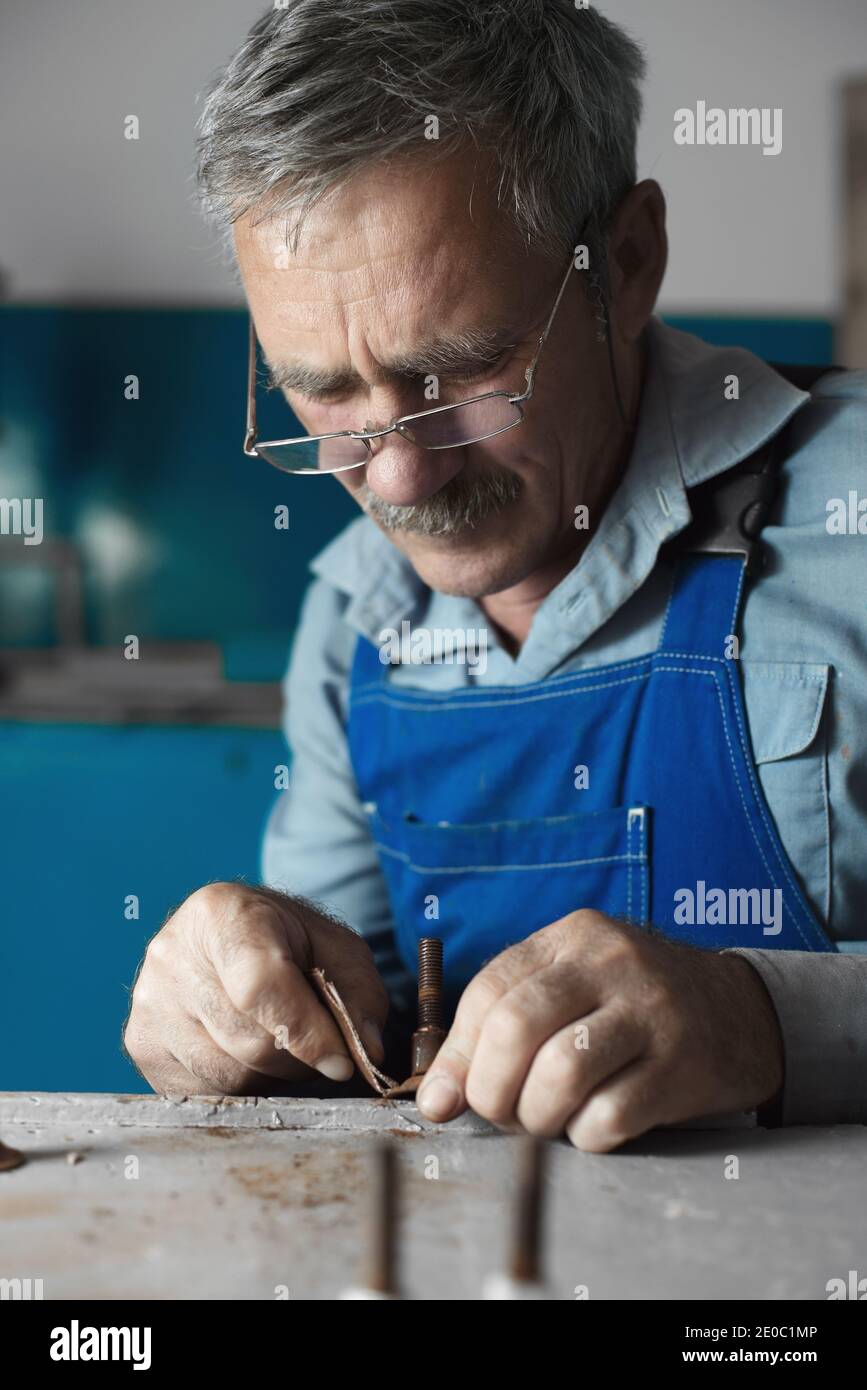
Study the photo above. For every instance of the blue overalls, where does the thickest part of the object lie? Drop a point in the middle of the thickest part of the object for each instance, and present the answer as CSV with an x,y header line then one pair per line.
x,y
488,829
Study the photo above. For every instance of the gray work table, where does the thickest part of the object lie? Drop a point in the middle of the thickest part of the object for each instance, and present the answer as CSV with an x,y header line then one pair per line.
x,y
237,1196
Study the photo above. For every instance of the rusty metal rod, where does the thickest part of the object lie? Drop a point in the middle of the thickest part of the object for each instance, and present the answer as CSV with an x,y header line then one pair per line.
x,y
526,1252
383,1276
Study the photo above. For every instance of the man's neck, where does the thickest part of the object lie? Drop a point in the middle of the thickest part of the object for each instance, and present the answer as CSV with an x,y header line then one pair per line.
x,y
512,611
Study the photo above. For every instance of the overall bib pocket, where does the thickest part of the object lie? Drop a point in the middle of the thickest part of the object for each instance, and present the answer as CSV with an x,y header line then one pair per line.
x,y
786,702
483,886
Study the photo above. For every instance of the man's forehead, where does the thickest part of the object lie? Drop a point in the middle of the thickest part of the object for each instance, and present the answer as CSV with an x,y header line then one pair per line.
x,y
391,238
409,202
408,270
410,321
462,351
359,266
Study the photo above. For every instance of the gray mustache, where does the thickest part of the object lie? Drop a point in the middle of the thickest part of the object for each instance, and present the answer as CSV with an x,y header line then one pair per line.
x,y
463,504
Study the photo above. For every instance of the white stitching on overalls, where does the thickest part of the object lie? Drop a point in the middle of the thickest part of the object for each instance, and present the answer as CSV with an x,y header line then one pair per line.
x,y
497,868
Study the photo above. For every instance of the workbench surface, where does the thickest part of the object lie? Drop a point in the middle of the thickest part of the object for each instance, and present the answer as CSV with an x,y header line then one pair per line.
x,y
237,1196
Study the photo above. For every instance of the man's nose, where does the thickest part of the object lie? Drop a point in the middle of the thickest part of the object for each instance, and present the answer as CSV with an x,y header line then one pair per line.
x,y
404,474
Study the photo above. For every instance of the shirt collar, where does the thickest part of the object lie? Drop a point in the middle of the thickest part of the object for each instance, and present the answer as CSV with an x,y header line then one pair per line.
x,y
688,431
380,583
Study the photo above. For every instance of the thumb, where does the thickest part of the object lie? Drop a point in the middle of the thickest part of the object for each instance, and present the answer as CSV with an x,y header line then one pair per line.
x,y
442,1094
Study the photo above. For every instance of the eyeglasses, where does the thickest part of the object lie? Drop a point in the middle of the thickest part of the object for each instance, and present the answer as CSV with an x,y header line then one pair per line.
x,y
443,427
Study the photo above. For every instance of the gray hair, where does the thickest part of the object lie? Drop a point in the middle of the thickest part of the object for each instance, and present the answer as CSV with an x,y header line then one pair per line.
x,y
321,89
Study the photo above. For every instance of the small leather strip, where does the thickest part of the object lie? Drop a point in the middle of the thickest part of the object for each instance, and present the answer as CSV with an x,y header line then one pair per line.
x,y
382,1084
406,1088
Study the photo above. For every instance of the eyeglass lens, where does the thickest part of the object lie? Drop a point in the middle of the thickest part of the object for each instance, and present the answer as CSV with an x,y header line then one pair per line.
x,y
446,429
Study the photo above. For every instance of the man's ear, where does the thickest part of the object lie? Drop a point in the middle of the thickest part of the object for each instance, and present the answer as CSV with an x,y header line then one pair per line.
x,y
637,257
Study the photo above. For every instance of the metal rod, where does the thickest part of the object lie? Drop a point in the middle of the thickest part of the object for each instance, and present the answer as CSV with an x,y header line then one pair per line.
x,y
383,1263
526,1263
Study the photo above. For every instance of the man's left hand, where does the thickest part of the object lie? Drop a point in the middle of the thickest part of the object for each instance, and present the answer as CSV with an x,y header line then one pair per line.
x,y
600,1030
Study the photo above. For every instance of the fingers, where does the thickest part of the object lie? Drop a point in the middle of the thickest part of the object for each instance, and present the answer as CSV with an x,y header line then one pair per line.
x,y
502,1020
223,1001
624,1107
163,1073
241,1038
570,1065
193,1067
442,1094
210,978
591,1028
513,1031
267,997
213,1069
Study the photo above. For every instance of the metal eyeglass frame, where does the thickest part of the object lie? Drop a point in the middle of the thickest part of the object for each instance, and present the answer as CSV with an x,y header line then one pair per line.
x,y
251,447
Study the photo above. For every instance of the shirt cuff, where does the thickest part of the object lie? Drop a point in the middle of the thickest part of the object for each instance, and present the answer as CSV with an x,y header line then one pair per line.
x,y
821,1004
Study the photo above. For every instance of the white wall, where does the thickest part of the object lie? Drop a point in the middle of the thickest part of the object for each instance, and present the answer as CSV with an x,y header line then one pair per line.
x,y
87,216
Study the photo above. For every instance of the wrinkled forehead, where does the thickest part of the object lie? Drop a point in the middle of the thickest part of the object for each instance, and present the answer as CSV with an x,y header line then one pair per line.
x,y
394,255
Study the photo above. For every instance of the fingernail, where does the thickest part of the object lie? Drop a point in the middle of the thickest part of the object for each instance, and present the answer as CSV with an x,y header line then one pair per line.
x,y
371,1036
335,1066
439,1097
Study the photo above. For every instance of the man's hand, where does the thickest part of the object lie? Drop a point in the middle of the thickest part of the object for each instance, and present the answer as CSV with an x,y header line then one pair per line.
x,y
601,1030
221,1003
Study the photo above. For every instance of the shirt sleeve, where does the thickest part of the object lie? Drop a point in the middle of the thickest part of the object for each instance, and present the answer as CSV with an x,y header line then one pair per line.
x,y
317,842
811,602
821,1003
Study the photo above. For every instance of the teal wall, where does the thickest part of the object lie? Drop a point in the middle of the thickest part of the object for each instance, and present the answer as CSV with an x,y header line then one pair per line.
x,y
168,465
89,815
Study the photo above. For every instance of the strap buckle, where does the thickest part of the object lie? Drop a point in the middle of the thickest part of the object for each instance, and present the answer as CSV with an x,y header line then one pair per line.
x,y
728,516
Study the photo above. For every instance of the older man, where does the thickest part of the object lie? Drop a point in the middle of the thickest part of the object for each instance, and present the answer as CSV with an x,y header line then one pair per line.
x,y
638,823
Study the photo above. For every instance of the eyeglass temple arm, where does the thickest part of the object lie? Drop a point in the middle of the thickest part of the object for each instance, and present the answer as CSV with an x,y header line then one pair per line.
x,y
530,373
250,435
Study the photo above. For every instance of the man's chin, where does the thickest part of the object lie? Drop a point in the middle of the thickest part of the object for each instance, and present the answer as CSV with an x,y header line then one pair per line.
x,y
460,566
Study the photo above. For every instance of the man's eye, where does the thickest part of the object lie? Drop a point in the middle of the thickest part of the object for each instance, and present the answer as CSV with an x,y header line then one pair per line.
x,y
321,400
325,397
454,387
478,373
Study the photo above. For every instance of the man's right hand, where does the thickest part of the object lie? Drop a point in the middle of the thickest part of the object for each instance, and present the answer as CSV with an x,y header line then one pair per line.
x,y
222,1003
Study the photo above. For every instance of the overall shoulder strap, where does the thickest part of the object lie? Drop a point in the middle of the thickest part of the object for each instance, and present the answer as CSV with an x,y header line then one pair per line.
x,y
730,510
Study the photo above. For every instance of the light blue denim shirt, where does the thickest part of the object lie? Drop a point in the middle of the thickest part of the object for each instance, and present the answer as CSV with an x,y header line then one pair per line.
x,y
803,658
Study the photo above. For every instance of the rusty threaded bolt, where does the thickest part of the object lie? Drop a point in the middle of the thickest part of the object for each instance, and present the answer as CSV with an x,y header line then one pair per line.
x,y
430,982
430,1034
